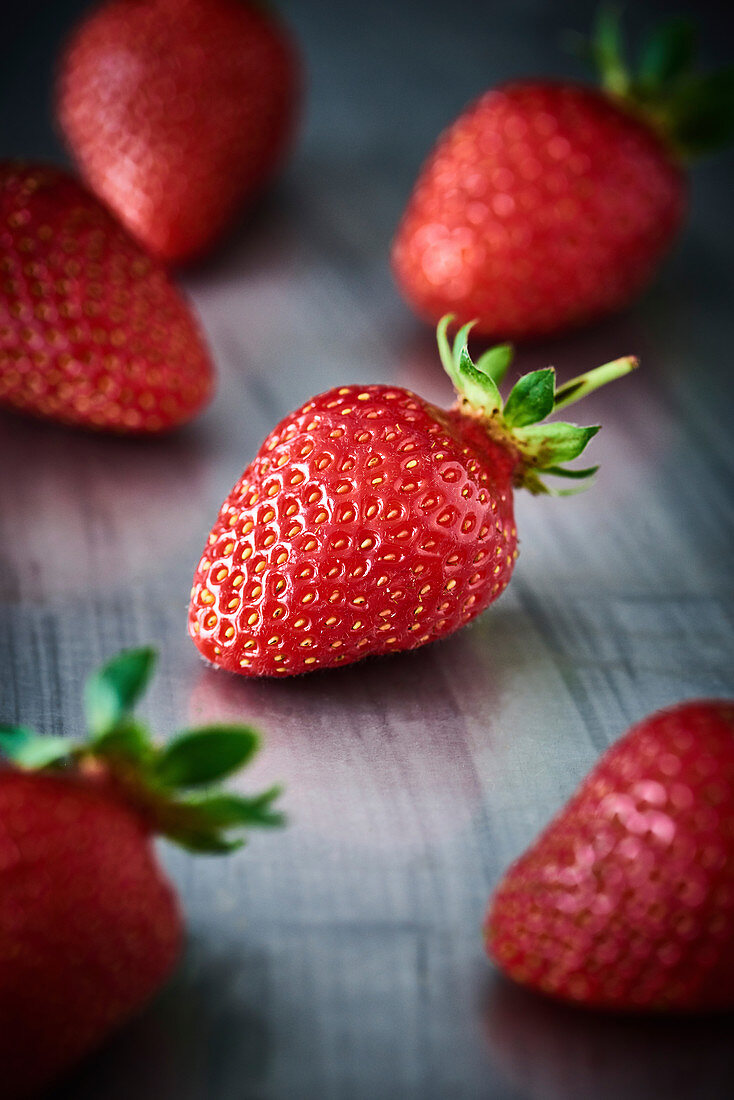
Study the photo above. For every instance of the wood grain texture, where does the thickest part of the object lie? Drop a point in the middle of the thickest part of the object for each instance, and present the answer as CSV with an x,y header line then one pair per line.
x,y
341,959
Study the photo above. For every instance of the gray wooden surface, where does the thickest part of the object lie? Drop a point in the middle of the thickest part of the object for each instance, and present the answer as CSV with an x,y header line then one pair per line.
x,y
342,957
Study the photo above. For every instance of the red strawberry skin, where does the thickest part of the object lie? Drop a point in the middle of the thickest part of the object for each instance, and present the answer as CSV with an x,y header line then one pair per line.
x,y
626,901
369,522
89,926
544,206
178,112
92,331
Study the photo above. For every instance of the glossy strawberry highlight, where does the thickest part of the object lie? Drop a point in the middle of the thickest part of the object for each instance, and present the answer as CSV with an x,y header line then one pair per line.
x,y
542,207
372,521
626,900
547,204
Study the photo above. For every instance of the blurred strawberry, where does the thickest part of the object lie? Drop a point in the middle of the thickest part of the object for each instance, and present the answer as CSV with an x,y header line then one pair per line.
x,y
178,112
92,331
547,204
626,900
89,925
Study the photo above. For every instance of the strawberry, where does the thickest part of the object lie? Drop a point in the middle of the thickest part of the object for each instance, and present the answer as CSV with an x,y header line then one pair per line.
x,y
178,112
626,900
546,204
371,521
89,925
92,331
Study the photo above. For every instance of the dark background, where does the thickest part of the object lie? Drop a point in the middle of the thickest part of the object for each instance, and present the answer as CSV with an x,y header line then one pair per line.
x,y
342,958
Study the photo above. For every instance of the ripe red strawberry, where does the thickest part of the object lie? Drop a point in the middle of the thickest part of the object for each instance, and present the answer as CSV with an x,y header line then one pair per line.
x,y
92,331
90,927
178,112
546,205
626,900
371,521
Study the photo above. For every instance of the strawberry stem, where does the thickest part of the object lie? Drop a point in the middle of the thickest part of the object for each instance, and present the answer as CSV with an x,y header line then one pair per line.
x,y
578,388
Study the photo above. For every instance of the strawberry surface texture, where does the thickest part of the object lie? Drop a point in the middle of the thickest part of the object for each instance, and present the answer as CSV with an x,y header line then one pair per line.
x,y
372,521
92,331
626,900
178,112
543,206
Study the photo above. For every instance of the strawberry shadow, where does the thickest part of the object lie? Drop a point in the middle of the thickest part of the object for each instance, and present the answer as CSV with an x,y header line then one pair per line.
x,y
205,1034
552,1051
417,681
377,738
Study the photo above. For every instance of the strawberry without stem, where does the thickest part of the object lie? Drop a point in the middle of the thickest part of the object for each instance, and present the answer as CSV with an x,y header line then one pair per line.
x,y
92,331
89,925
546,205
372,521
177,112
626,901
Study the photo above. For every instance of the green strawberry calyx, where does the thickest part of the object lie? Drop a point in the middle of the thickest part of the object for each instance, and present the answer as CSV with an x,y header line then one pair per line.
x,y
172,786
691,110
518,423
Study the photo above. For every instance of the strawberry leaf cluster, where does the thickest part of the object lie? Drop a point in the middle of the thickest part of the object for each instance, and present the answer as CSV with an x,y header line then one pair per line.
x,y
519,421
173,786
693,110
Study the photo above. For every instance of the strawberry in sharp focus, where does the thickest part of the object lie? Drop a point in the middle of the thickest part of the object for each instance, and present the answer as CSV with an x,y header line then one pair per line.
x,y
548,204
372,521
178,112
92,331
90,927
626,900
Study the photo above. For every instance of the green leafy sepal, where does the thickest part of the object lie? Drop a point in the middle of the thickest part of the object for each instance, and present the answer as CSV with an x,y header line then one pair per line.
x,y
172,786
693,111
518,423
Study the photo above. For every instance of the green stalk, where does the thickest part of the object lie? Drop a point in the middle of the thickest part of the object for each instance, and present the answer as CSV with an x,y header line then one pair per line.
x,y
578,388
